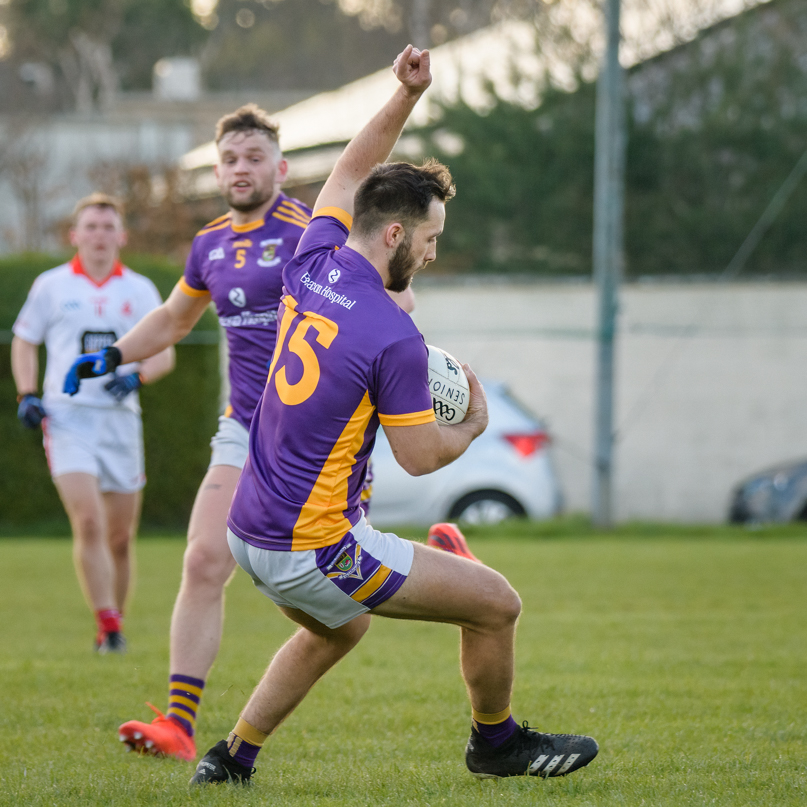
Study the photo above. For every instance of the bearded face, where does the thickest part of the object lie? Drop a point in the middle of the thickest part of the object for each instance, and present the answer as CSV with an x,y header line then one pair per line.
x,y
258,196
249,170
402,266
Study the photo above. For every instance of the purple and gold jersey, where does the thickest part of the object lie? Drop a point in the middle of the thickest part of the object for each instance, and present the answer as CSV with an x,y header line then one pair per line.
x,y
240,267
347,359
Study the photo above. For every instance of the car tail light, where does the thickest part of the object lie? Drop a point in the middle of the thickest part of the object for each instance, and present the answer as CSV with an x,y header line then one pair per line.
x,y
528,444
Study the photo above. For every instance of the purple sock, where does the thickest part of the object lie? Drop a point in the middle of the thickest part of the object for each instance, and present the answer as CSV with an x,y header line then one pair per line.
x,y
243,752
498,733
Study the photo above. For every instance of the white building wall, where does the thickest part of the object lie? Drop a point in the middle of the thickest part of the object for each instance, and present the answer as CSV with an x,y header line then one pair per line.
x,y
711,384
69,148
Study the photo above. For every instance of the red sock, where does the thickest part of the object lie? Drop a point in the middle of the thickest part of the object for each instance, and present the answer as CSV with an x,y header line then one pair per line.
x,y
108,620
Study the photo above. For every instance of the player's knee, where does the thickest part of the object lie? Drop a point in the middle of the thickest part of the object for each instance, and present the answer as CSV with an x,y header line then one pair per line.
x,y
504,604
205,565
344,638
355,630
119,541
512,604
119,548
347,637
88,528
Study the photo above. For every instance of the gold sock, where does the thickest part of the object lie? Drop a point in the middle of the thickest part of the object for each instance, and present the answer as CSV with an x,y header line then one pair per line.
x,y
244,733
489,719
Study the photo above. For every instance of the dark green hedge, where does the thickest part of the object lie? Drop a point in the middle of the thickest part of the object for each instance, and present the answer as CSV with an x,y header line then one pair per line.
x,y
179,416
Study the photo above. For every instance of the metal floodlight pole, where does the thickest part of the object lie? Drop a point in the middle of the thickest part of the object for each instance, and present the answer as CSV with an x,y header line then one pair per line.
x,y
609,190
420,28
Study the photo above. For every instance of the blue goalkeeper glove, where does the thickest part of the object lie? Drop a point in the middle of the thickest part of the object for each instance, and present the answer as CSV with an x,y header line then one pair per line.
x,y
122,385
30,411
91,365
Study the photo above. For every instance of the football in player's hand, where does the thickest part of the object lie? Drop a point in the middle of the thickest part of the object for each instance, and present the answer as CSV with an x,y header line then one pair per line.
x,y
448,385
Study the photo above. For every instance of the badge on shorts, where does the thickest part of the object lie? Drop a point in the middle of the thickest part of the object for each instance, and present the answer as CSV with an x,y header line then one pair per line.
x,y
348,566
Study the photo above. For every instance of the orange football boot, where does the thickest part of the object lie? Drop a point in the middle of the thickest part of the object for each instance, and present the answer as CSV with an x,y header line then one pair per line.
x,y
163,737
449,538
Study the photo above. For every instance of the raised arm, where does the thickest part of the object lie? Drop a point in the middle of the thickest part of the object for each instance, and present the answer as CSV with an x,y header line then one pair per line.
x,y
374,143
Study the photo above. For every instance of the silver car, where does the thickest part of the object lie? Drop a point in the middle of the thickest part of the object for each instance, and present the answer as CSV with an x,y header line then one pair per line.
x,y
506,472
778,494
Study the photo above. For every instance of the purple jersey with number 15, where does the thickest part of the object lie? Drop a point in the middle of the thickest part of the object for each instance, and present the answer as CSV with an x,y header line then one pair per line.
x,y
240,267
347,359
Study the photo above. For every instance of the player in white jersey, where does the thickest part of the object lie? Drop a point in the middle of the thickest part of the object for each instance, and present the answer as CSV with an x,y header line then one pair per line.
x,y
93,440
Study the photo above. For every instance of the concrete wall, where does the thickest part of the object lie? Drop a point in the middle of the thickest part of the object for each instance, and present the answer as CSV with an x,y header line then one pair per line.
x,y
711,381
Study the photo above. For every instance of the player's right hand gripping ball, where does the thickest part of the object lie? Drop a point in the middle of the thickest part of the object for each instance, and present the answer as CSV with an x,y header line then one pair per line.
x,y
30,411
91,365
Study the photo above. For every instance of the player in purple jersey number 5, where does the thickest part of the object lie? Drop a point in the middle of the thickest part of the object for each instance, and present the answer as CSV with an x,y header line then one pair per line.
x,y
235,262
346,361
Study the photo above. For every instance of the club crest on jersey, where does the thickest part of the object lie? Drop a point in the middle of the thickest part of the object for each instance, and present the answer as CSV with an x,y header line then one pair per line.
x,y
347,566
216,254
99,305
334,275
126,309
270,256
237,297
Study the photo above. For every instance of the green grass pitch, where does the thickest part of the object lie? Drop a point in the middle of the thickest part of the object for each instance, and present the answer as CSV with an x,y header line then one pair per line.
x,y
682,651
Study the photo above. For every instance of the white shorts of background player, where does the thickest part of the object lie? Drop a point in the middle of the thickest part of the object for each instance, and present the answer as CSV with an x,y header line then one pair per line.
x,y
106,443
230,444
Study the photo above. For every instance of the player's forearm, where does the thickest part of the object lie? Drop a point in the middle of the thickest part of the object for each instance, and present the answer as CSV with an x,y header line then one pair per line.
x,y
453,443
158,330
375,141
25,365
424,449
155,367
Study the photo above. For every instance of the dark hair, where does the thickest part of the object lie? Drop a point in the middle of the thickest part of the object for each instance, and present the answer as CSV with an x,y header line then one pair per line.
x,y
400,192
97,199
248,118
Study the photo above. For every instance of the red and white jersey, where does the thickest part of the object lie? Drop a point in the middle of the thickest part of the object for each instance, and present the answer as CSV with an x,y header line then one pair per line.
x,y
72,314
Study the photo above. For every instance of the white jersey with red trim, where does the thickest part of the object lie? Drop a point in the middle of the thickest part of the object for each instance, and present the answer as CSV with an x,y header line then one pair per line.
x,y
72,314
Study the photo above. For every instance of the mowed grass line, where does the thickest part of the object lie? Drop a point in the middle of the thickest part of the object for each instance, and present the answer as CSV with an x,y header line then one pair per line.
x,y
684,657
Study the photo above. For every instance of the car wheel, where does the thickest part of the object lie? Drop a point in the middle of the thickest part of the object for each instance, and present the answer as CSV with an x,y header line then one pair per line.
x,y
486,507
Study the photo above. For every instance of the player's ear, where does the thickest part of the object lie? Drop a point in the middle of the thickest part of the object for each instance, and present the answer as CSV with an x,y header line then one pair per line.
x,y
282,172
72,237
393,234
123,238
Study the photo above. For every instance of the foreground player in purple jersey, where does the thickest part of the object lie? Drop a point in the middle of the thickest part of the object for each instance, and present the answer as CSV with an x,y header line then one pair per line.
x,y
347,359
236,263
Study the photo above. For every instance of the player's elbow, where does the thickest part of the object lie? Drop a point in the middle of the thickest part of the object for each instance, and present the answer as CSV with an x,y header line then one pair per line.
x,y
417,468
421,463
170,359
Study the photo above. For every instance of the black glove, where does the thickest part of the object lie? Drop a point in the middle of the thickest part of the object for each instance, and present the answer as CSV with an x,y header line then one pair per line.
x,y
91,365
30,411
122,385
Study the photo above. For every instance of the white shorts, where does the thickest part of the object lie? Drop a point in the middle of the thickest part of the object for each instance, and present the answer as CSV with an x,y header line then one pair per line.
x,y
334,584
106,443
230,444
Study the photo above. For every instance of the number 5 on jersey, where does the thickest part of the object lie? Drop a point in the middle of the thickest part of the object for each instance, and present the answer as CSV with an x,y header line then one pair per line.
x,y
294,338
